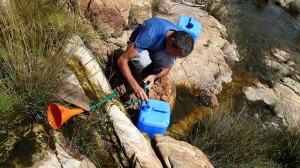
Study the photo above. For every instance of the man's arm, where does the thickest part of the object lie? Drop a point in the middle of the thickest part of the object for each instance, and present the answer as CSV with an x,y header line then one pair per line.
x,y
126,72
151,78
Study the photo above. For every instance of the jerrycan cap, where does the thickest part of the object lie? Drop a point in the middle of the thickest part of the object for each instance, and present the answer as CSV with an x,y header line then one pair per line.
x,y
190,25
146,107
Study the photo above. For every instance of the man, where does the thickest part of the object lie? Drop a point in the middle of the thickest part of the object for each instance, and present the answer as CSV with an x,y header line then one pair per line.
x,y
156,43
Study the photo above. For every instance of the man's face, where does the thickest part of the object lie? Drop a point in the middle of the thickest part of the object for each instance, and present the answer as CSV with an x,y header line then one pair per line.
x,y
174,52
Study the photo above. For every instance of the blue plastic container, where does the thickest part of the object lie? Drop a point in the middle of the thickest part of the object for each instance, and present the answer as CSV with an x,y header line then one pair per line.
x,y
154,117
189,25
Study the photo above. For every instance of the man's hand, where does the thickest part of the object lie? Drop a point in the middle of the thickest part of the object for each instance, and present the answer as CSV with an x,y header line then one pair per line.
x,y
150,79
140,93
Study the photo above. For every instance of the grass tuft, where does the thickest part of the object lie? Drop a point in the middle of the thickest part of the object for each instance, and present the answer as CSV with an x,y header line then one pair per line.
x,y
237,139
32,38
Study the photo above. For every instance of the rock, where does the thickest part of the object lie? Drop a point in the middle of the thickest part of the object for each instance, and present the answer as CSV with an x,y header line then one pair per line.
x,y
292,84
67,156
230,52
77,48
180,154
285,102
207,99
110,17
49,161
140,11
261,92
102,49
164,90
283,3
4,3
136,147
163,6
280,55
279,61
44,156
288,108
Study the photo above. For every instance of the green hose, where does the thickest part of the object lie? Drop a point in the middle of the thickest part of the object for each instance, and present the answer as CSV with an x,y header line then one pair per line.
x,y
104,100
135,101
112,95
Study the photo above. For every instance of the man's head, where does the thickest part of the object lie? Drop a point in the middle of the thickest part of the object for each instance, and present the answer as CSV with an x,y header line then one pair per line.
x,y
179,44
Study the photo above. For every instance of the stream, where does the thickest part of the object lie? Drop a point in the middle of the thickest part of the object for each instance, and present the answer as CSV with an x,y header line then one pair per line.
x,y
257,26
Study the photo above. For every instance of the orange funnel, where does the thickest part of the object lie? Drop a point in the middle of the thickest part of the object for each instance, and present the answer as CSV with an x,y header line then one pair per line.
x,y
57,115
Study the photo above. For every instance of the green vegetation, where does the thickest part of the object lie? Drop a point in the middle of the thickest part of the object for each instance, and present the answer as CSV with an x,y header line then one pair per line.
x,y
32,37
236,139
86,138
33,34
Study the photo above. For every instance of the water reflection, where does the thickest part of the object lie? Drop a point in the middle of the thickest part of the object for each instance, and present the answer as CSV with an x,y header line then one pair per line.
x,y
256,26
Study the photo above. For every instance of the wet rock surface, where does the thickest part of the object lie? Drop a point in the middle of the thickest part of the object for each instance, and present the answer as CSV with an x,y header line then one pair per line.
x,y
283,96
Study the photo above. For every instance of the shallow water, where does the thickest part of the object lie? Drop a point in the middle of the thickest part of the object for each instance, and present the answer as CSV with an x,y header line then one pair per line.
x,y
257,26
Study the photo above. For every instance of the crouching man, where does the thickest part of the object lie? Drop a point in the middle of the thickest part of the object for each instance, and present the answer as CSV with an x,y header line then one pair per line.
x,y
154,45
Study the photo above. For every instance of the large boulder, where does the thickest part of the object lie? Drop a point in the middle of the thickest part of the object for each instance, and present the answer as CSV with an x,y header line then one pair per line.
x,y
137,148
110,17
140,11
283,100
180,154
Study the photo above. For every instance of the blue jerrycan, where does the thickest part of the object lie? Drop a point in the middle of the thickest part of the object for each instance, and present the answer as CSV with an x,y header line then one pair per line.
x,y
189,25
154,117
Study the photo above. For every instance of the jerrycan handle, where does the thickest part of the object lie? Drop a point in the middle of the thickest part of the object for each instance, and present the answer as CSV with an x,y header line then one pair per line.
x,y
190,24
160,111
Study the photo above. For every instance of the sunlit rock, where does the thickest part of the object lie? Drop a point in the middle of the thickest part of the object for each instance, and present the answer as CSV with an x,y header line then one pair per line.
x,y
283,3
102,49
180,154
279,61
165,90
110,17
67,156
136,146
49,161
292,84
285,102
77,48
140,11
289,106
163,6
280,55
230,52
261,92
4,3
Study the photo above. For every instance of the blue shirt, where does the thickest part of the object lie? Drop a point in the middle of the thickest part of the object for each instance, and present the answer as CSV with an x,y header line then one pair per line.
x,y
151,34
